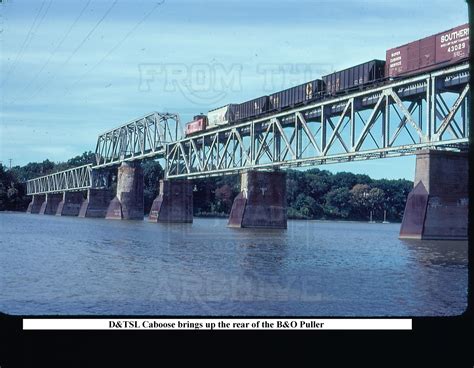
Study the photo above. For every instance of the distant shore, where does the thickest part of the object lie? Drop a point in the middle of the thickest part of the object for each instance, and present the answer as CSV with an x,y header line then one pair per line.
x,y
224,216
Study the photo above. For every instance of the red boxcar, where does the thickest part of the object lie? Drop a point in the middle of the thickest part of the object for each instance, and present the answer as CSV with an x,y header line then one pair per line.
x,y
197,125
431,52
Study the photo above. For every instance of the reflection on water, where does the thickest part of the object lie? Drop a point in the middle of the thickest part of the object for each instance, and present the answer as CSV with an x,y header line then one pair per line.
x,y
60,265
439,252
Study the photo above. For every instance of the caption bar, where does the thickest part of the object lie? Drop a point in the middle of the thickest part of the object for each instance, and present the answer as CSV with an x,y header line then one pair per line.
x,y
217,324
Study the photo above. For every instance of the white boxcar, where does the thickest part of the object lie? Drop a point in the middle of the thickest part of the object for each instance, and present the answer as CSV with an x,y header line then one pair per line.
x,y
221,116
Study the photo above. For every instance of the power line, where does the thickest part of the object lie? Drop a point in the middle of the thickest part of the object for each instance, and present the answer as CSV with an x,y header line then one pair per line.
x,y
117,45
76,49
27,40
24,42
55,50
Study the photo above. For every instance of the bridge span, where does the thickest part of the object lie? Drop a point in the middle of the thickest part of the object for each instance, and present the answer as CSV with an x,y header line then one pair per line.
x,y
426,115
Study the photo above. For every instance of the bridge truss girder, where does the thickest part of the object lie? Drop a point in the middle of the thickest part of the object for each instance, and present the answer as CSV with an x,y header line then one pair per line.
x,y
74,179
394,119
135,140
78,178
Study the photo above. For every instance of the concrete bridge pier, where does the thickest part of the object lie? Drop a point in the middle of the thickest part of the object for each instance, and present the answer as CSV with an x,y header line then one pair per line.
x,y
50,205
96,203
174,202
128,202
261,202
70,204
437,207
36,203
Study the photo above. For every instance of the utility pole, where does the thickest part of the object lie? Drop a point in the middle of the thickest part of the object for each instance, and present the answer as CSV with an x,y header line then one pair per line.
x,y
10,163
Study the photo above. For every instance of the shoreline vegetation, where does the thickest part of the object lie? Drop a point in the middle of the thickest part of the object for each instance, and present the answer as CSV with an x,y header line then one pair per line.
x,y
311,195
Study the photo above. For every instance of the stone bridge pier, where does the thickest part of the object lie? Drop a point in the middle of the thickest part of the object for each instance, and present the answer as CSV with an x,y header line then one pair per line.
x,y
51,203
96,203
261,202
437,207
174,202
128,202
70,204
36,203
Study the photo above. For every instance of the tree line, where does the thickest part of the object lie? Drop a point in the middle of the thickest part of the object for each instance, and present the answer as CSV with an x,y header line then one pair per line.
x,y
311,194
315,194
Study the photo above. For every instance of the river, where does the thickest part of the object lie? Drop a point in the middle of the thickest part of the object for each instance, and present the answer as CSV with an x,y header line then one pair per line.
x,y
74,266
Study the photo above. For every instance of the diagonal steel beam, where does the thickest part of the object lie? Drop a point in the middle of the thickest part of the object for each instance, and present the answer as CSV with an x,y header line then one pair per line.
x,y
405,112
451,114
403,121
369,123
283,135
335,132
308,132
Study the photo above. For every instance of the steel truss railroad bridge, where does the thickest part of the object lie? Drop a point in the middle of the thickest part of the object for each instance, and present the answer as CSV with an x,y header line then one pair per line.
x,y
428,110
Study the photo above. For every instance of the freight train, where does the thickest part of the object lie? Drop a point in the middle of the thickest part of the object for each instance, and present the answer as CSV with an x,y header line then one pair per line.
x,y
427,54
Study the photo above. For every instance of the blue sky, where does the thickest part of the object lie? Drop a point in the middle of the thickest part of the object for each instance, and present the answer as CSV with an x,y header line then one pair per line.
x,y
71,70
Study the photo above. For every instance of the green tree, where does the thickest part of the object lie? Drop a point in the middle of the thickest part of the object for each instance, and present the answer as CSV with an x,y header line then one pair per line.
x,y
319,184
345,180
396,193
360,201
12,193
338,203
307,207
376,199
87,157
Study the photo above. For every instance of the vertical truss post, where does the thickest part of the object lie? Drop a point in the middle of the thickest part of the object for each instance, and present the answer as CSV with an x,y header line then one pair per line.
x,y
352,127
323,128
386,122
431,107
277,142
252,143
298,137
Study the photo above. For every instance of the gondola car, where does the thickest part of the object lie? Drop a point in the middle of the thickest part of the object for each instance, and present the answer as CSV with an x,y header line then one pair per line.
x,y
297,95
354,77
251,109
